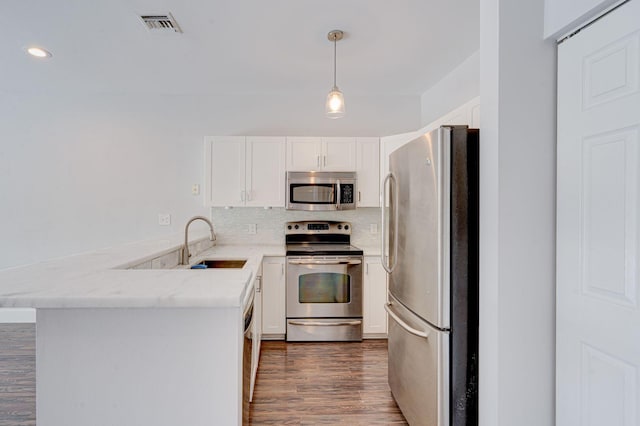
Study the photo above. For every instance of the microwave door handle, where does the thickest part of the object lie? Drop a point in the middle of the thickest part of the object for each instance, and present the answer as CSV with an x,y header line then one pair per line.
x,y
338,195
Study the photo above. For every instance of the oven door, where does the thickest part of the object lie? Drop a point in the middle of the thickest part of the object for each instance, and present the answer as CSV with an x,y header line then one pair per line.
x,y
324,286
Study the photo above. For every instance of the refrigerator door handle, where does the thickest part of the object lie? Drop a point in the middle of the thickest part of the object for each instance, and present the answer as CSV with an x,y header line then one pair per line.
x,y
408,328
389,268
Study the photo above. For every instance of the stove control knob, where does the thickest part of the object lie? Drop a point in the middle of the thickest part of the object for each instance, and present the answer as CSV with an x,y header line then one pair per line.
x,y
339,226
288,226
297,226
346,227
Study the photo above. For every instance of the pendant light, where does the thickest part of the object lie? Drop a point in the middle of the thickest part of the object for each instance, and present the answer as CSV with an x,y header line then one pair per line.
x,y
334,107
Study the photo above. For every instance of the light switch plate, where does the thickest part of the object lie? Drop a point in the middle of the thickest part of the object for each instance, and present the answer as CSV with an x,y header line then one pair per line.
x,y
195,189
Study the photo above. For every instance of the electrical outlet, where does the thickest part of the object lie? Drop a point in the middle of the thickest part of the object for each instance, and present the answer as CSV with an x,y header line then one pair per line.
x,y
373,228
164,219
252,228
195,189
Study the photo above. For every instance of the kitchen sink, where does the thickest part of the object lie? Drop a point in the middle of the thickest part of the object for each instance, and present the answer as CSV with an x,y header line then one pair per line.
x,y
220,264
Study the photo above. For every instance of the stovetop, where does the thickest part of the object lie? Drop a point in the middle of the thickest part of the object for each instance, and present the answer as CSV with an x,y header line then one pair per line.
x,y
319,238
323,250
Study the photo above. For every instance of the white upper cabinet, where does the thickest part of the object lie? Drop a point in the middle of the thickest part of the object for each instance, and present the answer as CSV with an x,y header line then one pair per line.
x,y
244,171
265,176
339,154
304,153
368,169
225,171
327,154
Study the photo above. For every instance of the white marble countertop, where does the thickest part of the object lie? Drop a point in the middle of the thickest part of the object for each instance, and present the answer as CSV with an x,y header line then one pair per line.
x,y
94,280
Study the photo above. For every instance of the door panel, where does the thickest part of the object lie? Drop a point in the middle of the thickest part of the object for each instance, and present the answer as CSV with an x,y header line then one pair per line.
x,y
265,174
339,154
421,173
598,240
225,184
418,369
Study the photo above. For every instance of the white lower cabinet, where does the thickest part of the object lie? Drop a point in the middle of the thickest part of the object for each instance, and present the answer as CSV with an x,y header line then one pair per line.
x,y
375,296
273,298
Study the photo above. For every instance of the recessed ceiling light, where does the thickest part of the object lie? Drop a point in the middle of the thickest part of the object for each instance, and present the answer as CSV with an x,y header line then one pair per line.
x,y
38,52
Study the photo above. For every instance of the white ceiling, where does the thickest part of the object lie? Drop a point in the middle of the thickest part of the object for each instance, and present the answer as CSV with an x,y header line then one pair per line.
x,y
399,47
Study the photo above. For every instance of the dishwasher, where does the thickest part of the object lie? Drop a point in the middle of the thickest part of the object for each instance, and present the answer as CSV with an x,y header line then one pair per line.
x,y
247,355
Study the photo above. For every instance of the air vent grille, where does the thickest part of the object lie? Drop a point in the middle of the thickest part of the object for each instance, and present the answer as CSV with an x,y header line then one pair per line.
x,y
161,23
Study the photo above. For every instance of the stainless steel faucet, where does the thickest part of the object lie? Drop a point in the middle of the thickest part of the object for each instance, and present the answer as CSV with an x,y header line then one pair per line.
x,y
185,249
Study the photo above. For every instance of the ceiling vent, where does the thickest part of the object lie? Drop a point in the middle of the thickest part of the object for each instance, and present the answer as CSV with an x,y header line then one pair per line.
x,y
161,23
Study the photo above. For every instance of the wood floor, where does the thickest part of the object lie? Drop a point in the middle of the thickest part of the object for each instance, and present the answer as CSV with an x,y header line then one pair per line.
x,y
17,374
298,383
324,383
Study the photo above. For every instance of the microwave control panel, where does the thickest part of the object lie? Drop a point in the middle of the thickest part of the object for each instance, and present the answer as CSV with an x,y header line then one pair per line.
x,y
346,194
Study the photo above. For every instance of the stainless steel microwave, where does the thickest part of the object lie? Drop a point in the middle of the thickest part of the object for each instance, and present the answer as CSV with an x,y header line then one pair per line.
x,y
321,190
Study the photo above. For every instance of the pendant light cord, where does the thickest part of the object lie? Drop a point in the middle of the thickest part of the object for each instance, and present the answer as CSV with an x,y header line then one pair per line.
x,y
334,61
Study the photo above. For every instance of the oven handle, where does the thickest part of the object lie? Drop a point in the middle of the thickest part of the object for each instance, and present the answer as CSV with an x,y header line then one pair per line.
x,y
325,262
338,195
424,334
325,324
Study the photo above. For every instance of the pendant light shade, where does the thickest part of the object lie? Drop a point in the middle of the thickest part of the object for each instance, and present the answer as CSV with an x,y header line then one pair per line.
x,y
335,103
334,108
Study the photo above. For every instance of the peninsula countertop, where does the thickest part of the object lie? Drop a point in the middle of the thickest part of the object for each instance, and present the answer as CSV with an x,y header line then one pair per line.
x,y
99,279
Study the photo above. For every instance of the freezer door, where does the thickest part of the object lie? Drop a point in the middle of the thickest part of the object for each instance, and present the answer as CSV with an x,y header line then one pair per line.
x,y
419,201
418,368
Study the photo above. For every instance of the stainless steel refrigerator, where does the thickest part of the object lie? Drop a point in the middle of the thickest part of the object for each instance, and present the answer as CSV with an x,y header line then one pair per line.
x,y
430,251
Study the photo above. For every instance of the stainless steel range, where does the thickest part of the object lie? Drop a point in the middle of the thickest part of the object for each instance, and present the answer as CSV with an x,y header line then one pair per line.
x,y
324,282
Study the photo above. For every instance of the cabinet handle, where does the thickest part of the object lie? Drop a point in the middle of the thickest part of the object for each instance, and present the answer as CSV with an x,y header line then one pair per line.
x,y
249,195
359,196
318,161
367,268
258,284
325,160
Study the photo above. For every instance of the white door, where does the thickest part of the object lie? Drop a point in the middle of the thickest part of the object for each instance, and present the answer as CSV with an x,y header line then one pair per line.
x,y
339,154
598,239
225,181
304,154
265,174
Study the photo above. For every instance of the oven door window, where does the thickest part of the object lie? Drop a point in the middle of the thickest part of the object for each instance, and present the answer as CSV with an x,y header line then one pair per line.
x,y
324,287
316,193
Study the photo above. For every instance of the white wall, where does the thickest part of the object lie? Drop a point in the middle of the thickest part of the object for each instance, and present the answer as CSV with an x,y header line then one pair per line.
x,y
517,216
562,16
457,87
80,172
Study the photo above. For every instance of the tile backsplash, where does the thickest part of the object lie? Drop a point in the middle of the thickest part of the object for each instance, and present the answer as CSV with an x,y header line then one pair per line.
x,y
232,225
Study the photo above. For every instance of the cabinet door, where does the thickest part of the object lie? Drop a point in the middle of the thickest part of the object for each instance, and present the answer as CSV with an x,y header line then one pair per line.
x,y
225,175
375,296
304,154
368,168
257,333
339,154
273,298
265,176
